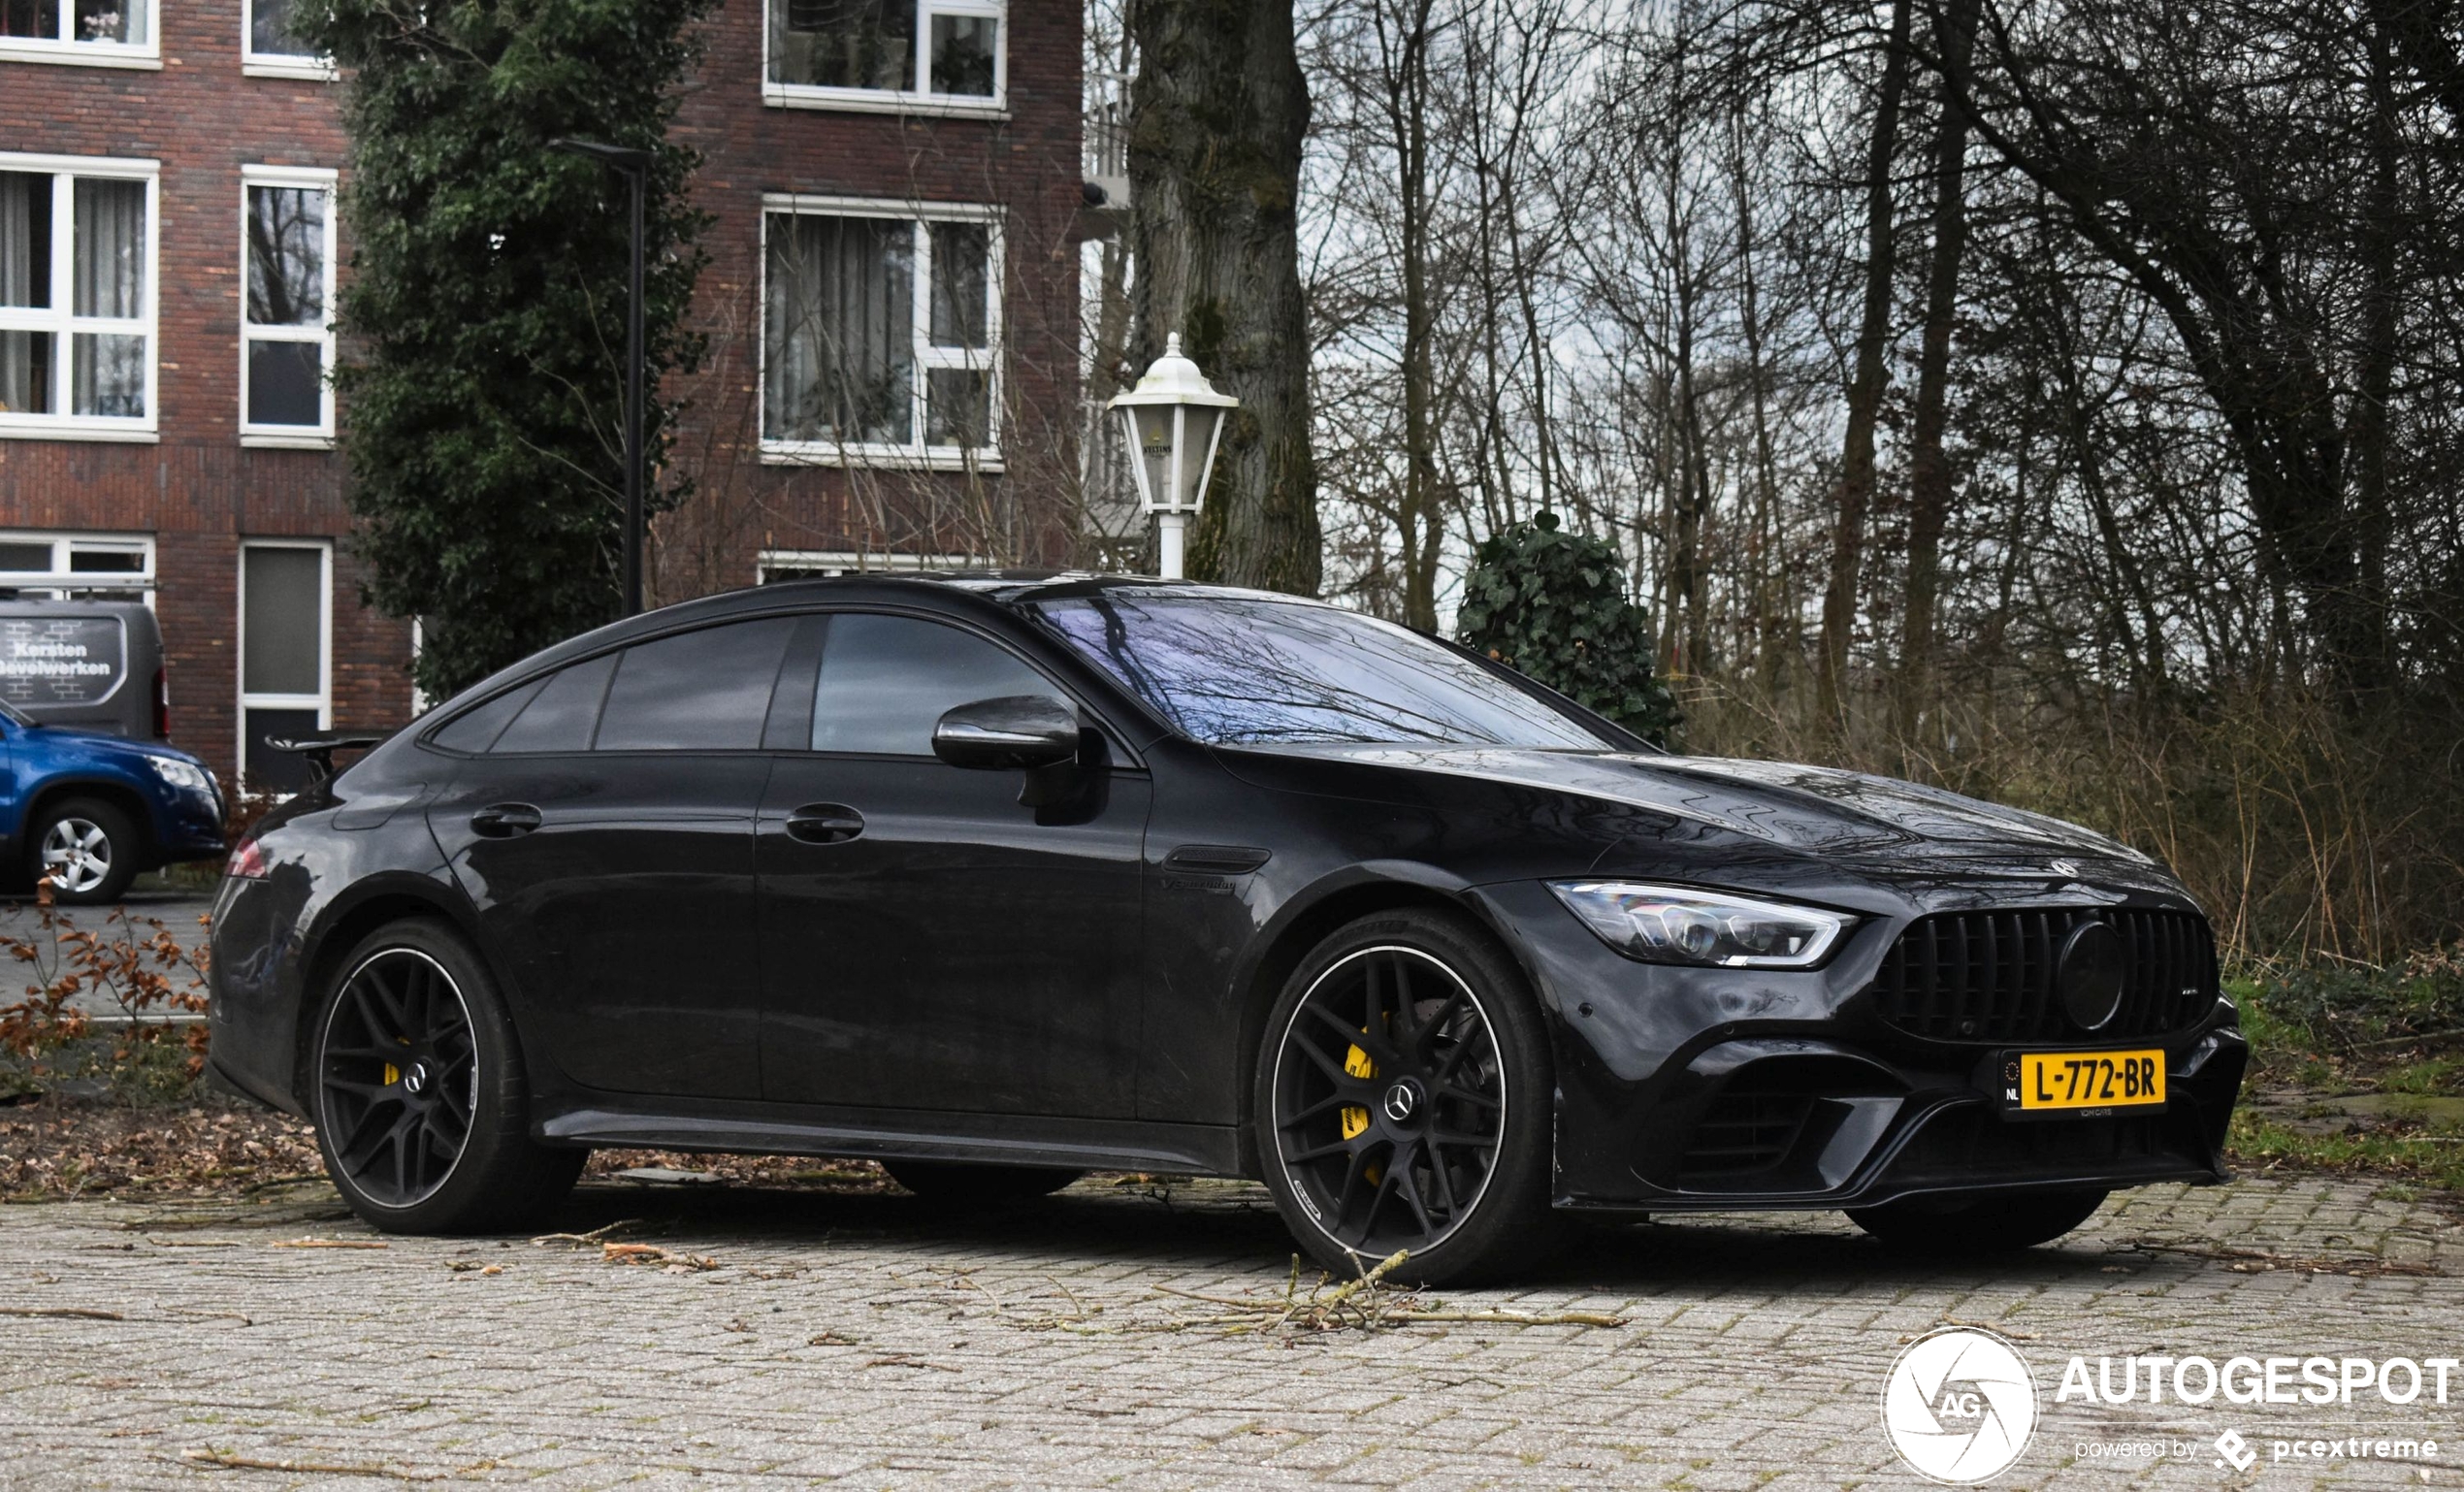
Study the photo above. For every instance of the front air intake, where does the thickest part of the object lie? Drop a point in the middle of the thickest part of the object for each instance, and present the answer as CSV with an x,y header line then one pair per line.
x,y
1990,976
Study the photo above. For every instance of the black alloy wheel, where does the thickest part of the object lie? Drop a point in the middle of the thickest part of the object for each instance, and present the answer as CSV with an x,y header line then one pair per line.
x,y
1406,1103
399,1077
416,1085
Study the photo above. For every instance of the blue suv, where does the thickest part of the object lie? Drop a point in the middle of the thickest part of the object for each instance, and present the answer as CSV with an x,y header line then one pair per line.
x,y
92,810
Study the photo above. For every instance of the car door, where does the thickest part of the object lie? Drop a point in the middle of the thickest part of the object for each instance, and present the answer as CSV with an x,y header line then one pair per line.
x,y
929,941
606,834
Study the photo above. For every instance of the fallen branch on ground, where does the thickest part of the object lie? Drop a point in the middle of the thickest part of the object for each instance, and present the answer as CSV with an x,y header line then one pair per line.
x,y
1364,1304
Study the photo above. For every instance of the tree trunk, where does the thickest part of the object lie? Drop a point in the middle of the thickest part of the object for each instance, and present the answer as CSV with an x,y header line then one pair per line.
x,y
1217,111
1864,390
1929,469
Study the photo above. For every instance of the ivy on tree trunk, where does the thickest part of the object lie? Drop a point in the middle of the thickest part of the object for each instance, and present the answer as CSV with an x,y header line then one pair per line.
x,y
483,317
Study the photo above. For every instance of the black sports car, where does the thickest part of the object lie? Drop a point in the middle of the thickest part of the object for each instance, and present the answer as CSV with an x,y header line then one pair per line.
x,y
1001,879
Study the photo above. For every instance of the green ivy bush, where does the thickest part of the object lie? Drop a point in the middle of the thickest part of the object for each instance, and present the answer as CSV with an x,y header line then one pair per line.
x,y
1553,605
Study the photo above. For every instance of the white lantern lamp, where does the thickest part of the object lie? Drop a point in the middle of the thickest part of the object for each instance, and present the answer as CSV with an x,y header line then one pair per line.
x,y
1174,419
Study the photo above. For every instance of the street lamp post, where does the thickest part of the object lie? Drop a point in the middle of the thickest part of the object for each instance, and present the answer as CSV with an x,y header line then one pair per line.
x,y
634,165
1174,419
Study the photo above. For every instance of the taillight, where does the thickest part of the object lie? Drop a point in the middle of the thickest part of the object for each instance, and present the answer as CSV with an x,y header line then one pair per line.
x,y
162,703
248,861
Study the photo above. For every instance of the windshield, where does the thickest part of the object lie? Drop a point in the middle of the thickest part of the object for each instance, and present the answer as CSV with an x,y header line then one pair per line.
x,y
16,716
1241,671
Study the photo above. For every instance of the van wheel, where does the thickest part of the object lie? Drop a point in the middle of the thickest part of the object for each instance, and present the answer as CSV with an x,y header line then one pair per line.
x,y
416,1085
88,848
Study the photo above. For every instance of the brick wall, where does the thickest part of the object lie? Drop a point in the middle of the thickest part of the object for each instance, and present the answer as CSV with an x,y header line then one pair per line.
x,y
199,493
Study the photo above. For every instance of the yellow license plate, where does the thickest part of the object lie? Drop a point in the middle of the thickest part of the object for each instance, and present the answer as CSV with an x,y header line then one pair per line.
x,y
2089,1080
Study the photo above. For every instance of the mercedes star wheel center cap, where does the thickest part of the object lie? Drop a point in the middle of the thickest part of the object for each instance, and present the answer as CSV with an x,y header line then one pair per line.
x,y
416,1081
1403,1101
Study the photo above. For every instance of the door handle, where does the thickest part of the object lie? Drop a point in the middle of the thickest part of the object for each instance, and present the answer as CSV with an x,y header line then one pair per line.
x,y
504,820
825,824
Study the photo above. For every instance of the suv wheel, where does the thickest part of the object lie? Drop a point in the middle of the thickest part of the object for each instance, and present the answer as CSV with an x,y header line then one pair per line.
x,y
418,1093
88,848
1404,1102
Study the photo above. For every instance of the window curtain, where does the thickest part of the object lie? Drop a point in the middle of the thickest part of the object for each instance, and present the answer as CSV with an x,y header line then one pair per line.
x,y
106,371
25,281
840,330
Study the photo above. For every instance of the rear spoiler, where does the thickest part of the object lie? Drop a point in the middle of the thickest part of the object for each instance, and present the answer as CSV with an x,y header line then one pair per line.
x,y
320,753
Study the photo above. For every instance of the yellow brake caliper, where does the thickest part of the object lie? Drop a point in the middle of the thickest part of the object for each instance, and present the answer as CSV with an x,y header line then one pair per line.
x,y
1354,1117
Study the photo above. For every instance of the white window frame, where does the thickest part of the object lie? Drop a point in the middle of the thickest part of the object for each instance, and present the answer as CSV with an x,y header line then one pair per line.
x,y
57,318
920,100
59,582
147,55
882,455
319,437
322,702
276,64
832,563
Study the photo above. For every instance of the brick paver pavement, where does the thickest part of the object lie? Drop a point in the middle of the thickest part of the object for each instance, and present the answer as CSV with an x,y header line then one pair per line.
x,y
865,1340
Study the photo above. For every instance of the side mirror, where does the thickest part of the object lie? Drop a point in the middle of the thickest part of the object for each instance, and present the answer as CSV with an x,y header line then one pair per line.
x,y
1017,731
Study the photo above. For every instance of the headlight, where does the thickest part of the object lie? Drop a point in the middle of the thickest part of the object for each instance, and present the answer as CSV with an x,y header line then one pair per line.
x,y
1683,925
187,776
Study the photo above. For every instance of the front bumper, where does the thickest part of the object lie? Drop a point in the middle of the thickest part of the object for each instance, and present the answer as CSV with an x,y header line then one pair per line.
x,y
1716,1090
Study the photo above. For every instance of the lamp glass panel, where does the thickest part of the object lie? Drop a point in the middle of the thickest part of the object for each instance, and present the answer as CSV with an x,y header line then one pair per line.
x,y
1200,435
1151,427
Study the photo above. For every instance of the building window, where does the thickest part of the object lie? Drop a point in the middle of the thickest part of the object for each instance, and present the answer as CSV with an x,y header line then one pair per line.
x,y
88,566
772,566
287,332
945,56
268,48
76,296
104,33
286,615
881,333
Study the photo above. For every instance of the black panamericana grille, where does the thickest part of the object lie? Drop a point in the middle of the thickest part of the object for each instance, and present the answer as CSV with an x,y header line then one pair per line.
x,y
1989,976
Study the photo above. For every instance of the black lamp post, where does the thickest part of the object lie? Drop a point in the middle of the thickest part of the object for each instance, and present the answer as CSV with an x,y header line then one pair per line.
x,y
636,166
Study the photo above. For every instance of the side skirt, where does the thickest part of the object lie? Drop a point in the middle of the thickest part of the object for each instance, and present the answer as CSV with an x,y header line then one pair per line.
x,y
896,1134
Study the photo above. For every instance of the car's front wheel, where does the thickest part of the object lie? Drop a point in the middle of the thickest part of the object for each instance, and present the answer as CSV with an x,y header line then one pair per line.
x,y
88,850
418,1093
1402,1103
1953,1226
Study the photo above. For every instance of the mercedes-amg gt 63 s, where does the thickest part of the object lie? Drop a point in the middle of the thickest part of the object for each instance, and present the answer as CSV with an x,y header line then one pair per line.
x,y
1001,879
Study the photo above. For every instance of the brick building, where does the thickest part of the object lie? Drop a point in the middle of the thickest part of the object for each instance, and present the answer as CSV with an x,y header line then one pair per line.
x,y
891,307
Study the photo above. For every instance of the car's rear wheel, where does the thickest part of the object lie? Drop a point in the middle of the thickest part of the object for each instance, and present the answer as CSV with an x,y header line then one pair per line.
x,y
89,849
1947,1225
418,1092
1404,1101
959,1181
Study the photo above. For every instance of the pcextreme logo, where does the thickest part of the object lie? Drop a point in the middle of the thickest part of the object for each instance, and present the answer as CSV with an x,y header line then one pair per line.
x,y
1960,1406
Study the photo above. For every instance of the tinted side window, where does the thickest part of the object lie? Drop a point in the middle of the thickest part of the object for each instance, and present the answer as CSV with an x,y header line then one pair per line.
x,y
560,715
885,680
698,690
476,729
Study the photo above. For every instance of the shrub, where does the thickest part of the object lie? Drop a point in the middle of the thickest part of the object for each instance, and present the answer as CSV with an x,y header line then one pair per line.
x,y
1553,605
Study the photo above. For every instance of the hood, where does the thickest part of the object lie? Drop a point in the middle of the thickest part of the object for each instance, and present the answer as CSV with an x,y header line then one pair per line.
x,y
104,742
1809,809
